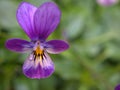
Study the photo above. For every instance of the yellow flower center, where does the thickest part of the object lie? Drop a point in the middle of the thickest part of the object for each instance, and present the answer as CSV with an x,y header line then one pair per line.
x,y
38,51
38,54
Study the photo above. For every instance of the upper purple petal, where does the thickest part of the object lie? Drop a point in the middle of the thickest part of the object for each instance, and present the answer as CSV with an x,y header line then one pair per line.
x,y
24,16
18,45
56,46
37,68
46,19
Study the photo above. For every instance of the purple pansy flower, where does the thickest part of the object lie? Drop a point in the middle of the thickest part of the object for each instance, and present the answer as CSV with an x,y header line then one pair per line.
x,y
107,2
117,87
38,24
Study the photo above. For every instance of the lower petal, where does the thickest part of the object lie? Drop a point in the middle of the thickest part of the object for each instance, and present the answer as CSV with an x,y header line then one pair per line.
x,y
56,46
18,45
38,68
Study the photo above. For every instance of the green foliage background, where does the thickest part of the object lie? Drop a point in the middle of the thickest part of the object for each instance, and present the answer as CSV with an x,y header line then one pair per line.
x,y
92,61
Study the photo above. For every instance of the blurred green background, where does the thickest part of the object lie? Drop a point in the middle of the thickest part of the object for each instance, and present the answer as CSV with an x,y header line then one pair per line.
x,y
92,61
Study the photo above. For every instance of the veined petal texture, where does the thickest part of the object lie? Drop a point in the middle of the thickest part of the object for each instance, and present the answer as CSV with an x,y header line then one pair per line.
x,y
18,45
38,68
25,14
46,19
56,46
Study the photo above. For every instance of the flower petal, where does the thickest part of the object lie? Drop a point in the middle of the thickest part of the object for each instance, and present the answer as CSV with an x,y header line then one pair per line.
x,y
37,68
46,19
56,46
107,2
117,87
18,45
25,15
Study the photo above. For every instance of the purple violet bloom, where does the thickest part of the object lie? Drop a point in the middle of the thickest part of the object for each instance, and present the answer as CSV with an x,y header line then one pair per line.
x,y
117,87
38,24
107,2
